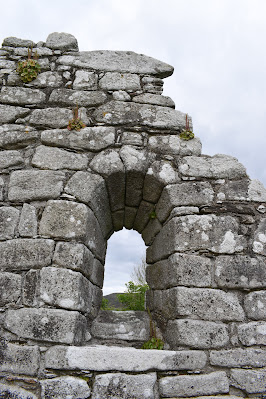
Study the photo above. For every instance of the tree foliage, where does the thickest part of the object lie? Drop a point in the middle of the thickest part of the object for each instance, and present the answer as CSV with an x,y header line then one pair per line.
x,y
134,298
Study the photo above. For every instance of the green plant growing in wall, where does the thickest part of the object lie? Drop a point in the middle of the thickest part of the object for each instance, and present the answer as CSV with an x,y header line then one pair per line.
x,y
75,123
187,134
29,69
154,342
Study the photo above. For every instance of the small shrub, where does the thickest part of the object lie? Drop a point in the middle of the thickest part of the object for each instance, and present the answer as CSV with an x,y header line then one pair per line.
x,y
187,134
29,69
153,343
75,123
134,298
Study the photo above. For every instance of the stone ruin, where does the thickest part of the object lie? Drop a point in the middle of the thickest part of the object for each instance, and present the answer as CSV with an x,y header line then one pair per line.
x,y
63,194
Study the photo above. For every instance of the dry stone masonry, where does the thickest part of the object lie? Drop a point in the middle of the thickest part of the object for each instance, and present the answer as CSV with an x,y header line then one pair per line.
x,y
63,194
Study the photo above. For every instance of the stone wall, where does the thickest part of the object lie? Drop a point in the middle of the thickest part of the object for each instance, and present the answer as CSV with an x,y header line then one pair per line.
x,y
63,193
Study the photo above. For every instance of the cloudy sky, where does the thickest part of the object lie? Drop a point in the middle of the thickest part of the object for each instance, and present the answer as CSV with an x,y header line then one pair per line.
x,y
217,48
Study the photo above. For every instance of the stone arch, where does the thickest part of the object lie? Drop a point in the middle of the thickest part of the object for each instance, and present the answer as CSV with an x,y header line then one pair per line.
x,y
63,193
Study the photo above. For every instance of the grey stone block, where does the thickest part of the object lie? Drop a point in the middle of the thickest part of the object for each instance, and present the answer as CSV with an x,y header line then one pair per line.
x,y
115,358
124,386
30,185
85,80
31,288
151,230
10,158
196,334
128,326
155,99
240,272
21,96
50,325
2,186
120,81
56,158
17,136
65,387
24,254
61,41
259,243
217,167
47,79
50,117
256,191
16,42
20,359
28,221
129,217
80,97
183,194
94,138
184,385
255,305
145,210
120,61
121,95
179,269
238,357
8,222
9,113
11,391
173,145
10,288
118,218
251,381
253,333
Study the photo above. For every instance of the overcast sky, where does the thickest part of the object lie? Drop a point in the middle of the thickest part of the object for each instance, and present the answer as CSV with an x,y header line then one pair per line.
x,y
217,48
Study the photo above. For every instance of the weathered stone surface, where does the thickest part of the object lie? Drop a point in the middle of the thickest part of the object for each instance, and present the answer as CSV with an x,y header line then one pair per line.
x,y
13,392
173,145
56,158
50,117
17,136
91,189
16,42
253,333
144,213
155,99
119,81
151,230
35,185
31,288
119,112
66,289
205,303
184,385
256,191
129,325
82,98
23,254
255,305
251,381
21,96
121,95
51,325
120,61
65,387
133,138
85,80
108,358
182,194
10,288
124,386
238,357
8,66
184,210
47,79
218,234
61,41
179,269
10,158
196,334
240,272
9,113
20,359
8,222
259,244
28,221
89,138
129,217
216,167
2,185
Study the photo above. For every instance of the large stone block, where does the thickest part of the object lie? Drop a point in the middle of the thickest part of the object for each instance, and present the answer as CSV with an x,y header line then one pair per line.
x,y
143,216
251,381
62,41
259,244
24,254
218,234
50,117
10,158
20,359
21,96
120,81
240,271
85,80
65,387
155,99
30,185
9,113
179,269
80,97
184,385
253,333
17,136
255,305
216,167
151,230
13,392
56,158
10,288
238,357
115,358
28,221
8,222
124,386
94,138
47,79
31,288
196,334
173,145
256,191
51,325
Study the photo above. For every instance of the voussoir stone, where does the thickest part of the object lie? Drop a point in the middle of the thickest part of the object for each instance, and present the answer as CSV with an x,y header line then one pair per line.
x,y
65,387
253,333
13,392
50,117
108,358
10,158
9,113
259,243
56,158
51,325
21,96
82,98
120,81
239,357
120,61
35,185
24,254
20,359
255,305
251,381
10,288
61,41
8,222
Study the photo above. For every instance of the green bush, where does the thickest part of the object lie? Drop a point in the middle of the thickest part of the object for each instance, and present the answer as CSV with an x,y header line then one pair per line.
x,y
153,343
29,69
134,298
